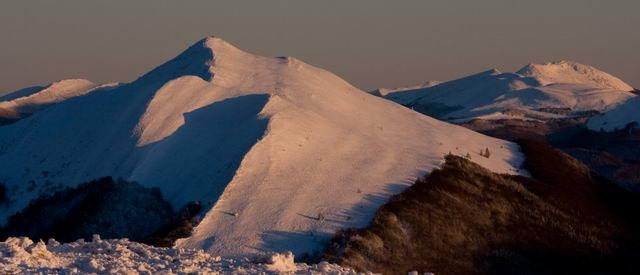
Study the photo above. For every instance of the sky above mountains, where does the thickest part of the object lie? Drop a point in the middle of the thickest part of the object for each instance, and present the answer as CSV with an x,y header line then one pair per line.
x,y
371,43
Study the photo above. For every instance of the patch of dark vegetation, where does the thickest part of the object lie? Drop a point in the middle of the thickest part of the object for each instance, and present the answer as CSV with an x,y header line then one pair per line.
x,y
514,129
4,197
434,109
180,227
572,186
113,209
583,137
558,111
613,155
5,121
464,219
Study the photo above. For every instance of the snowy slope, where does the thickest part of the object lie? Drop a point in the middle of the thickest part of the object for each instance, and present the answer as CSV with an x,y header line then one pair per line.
x,y
537,91
30,100
271,144
617,118
24,92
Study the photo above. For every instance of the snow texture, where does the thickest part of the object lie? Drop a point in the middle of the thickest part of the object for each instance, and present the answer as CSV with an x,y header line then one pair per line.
x,y
120,256
281,153
538,91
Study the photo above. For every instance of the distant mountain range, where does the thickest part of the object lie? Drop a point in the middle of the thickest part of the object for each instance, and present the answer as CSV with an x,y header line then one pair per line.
x,y
618,118
536,92
243,155
588,113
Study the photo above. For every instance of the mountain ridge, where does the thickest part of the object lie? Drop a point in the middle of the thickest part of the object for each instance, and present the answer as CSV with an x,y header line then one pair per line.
x,y
27,101
535,92
569,71
266,144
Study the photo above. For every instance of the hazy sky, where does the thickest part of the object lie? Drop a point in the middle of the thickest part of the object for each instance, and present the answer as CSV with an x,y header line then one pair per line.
x,y
370,43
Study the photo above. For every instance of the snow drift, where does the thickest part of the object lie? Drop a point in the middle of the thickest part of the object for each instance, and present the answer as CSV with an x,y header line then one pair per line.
x,y
281,154
537,91
120,256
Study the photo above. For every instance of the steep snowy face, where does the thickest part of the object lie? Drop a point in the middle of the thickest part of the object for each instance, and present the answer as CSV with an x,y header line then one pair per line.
x,y
539,92
31,100
281,154
572,72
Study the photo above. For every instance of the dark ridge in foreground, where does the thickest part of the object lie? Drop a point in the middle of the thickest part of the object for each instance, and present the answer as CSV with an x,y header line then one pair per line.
x,y
112,209
613,155
464,219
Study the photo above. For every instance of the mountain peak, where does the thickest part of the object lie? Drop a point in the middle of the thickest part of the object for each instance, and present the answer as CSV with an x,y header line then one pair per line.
x,y
197,60
493,71
218,45
25,92
72,82
565,71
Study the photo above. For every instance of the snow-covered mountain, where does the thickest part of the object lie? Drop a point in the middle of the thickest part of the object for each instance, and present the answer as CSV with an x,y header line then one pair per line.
x,y
30,100
537,91
617,118
572,72
281,154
